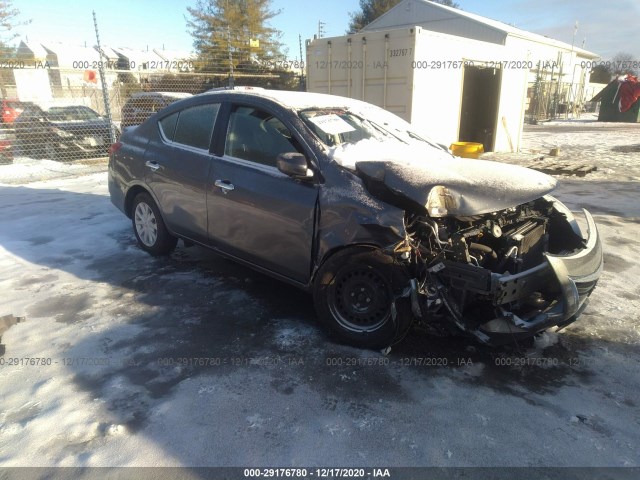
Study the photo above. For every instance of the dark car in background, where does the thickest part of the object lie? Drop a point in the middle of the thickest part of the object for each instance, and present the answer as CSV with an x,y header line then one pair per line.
x,y
141,106
63,133
345,200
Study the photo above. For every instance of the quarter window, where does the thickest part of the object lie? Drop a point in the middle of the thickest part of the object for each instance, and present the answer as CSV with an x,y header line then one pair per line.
x,y
168,125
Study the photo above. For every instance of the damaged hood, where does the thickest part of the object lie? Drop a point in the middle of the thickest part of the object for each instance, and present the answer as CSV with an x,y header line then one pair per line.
x,y
423,176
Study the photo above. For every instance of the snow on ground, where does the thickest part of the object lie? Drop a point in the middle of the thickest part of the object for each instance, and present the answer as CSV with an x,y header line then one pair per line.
x,y
121,359
614,148
25,170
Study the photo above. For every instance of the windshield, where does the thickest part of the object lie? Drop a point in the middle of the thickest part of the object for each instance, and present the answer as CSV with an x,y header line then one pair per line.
x,y
71,114
339,126
336,126
369,133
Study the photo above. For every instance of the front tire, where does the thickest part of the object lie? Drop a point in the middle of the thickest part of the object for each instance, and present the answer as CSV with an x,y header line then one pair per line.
x,y
149,228
353,294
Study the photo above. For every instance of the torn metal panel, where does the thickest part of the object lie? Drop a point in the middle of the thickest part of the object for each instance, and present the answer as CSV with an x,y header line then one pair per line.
x,y
349,215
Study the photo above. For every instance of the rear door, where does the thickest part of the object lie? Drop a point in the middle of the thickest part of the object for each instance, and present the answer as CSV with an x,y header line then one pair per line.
x,y
256,212
178,166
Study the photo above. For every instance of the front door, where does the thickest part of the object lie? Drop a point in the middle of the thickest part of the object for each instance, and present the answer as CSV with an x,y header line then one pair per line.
x,y
256,212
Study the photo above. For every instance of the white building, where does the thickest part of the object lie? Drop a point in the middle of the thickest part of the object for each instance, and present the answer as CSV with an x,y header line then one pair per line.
x,y
455,75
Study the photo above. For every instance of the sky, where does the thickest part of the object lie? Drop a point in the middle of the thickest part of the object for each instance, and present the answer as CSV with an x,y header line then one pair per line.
x,y
604,28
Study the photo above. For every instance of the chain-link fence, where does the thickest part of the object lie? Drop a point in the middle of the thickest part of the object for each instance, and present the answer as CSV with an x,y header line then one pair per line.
x,y
63,114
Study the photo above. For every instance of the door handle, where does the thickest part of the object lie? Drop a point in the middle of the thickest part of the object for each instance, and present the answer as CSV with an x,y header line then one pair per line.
x,y
152,165
224,185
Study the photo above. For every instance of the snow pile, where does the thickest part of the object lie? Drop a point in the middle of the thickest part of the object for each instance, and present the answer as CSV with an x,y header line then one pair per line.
x,y
27,170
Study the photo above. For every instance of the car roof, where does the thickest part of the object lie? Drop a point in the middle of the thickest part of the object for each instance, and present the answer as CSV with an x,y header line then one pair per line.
x,y
177,95
292,99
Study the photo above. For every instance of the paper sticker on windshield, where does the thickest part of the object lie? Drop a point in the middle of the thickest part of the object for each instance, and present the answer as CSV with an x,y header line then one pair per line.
x,y
332,124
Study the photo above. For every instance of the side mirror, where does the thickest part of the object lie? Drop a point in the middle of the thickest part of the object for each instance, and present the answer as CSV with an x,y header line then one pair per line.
x,y
294,164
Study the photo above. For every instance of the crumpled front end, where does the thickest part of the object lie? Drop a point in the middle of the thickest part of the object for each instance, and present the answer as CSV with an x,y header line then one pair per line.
x,y
503,276
575,277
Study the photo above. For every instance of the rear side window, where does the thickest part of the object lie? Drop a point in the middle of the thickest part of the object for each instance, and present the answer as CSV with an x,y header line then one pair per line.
x,y
192,126
168,125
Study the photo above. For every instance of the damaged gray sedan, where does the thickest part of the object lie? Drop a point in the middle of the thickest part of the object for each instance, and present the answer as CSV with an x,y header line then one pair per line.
x,y
344,200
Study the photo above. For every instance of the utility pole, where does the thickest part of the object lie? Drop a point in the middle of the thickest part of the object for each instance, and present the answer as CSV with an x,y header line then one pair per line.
x,y
572,94
321,31
230,57
303,87
231,80
103,83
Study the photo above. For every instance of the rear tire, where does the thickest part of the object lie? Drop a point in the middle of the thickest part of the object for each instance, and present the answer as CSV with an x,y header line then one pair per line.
x,y
353,295
149,228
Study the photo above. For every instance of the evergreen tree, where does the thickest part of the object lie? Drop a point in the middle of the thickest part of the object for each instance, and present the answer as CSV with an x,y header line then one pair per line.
x,y
234,32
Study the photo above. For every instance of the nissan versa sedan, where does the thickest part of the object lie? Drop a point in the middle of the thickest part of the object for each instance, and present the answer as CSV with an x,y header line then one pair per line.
x,y
346,201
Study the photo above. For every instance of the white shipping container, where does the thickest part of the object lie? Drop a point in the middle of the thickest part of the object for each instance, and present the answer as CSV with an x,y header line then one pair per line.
x,y
450,88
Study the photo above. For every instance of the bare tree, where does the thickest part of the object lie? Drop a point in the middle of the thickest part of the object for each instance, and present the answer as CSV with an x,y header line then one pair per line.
x,y
9,20
624,63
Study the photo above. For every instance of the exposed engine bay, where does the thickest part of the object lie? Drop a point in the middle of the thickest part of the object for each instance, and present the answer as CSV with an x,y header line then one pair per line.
x,y
458,264
489,252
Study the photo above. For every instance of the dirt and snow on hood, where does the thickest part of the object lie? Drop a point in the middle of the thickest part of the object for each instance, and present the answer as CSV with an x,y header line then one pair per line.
x,y
411,171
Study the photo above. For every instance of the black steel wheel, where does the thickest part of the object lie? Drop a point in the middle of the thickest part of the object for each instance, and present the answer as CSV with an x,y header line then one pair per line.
x,y
359,298
354,293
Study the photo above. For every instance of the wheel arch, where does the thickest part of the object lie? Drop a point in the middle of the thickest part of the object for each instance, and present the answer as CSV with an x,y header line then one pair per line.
x,y
132,193
362,325
336,250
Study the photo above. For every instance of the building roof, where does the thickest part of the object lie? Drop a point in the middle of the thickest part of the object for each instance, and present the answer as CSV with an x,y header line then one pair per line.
x,y
36,49
174,55
605,91
440,18
140,57
68,54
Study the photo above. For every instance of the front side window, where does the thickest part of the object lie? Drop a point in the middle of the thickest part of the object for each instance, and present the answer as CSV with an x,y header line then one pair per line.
x,y
192,126
257,136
